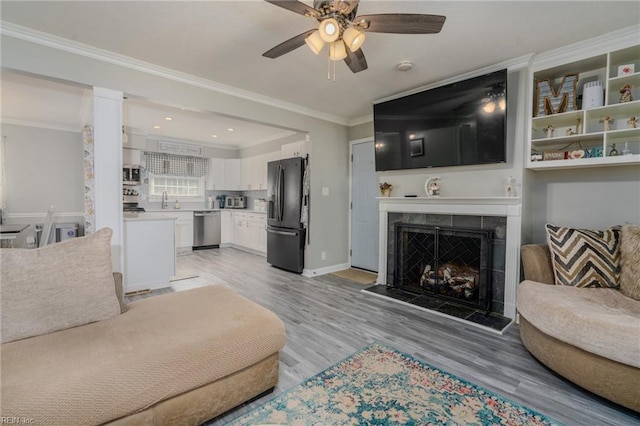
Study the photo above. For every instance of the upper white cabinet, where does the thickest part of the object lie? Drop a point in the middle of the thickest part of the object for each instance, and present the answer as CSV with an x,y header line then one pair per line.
x,y
602,130
130,157
232,173
215,177
294,149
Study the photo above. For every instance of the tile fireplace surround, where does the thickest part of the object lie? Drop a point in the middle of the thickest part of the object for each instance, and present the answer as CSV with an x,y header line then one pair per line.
x,y
509,208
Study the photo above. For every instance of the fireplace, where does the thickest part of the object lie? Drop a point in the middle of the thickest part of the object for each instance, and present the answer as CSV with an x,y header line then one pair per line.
x,y
451,263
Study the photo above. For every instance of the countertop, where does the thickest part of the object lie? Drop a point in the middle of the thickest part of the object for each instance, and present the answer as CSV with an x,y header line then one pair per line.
x,y
202,210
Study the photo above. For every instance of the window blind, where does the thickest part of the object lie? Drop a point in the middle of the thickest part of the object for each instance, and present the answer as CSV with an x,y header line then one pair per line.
x,y
176,165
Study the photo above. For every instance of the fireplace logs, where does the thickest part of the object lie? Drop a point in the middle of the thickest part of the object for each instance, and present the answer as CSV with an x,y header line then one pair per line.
x,y
450,279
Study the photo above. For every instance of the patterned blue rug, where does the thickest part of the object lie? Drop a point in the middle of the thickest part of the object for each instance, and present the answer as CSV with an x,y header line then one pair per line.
x,y
381,386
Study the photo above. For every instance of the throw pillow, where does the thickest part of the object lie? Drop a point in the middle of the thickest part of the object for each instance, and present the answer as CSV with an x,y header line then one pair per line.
x,y
56,287
585,257
630,261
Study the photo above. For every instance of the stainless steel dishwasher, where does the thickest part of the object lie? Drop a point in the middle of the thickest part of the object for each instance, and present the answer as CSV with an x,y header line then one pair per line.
x,y
206,229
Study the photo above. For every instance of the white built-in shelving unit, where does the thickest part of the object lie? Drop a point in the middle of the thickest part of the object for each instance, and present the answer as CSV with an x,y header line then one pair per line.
x,y
587,124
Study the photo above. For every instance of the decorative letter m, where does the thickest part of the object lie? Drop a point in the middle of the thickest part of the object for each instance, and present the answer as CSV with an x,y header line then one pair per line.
x,y
548,101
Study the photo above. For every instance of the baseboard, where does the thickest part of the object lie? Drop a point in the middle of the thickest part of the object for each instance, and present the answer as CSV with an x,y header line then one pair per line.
x,y
325,270
150,285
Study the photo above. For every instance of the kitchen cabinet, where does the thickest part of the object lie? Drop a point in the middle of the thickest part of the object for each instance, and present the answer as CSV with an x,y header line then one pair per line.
x,y
216,175
149,255
294,149
232,173
226,228
183,241
583,132
246,173
249,230
130,157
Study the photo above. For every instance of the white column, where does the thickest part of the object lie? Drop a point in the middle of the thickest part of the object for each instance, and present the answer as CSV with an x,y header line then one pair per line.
x,y
382,247
107,133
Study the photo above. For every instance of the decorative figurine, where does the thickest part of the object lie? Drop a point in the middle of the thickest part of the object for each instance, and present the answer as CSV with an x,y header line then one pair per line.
x,y
579,126
632,122
625,94
613,151
626,150
432,186
608,121
570,132
550,131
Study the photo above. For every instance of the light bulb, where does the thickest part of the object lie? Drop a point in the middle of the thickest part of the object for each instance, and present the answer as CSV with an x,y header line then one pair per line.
x,y
502,104
329,30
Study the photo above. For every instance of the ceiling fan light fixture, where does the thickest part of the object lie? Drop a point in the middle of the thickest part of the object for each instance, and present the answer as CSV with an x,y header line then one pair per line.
x,y
329,30
315,42
337,51
353,38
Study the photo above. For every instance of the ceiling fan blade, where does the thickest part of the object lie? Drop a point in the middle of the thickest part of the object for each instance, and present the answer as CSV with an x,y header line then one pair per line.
x,y
287,46
296,7
400,23
356,61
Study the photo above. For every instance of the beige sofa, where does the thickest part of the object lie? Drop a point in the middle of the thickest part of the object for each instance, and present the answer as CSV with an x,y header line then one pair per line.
x,y
175,359
590,336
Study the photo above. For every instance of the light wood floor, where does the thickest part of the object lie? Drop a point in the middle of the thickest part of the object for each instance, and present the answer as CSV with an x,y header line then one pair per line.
x,y
328,318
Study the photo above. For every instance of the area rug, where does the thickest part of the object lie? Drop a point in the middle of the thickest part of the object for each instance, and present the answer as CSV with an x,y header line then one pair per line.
x,y
380,386
357,275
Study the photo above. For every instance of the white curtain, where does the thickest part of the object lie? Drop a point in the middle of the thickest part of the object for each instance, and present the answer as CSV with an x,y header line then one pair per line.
x,y
3,182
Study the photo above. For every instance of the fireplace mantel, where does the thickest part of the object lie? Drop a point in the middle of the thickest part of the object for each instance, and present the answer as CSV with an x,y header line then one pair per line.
x,y
509,207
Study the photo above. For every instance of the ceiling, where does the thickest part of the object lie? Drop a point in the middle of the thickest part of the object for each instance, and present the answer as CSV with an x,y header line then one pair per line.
x,y
223,41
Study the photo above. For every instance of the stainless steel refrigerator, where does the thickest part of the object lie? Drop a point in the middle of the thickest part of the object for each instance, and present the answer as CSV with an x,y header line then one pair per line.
x,y
285,234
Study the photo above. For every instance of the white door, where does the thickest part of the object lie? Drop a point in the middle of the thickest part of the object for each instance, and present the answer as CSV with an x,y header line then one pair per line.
x,y
364,214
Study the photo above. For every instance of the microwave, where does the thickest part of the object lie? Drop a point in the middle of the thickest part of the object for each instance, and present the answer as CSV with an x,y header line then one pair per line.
x,y
131,175
235,202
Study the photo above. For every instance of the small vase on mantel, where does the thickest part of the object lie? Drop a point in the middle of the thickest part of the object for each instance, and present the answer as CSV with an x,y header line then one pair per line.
x,y
385,189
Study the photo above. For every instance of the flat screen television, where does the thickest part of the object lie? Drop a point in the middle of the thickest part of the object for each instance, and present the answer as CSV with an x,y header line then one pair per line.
x,y
458,124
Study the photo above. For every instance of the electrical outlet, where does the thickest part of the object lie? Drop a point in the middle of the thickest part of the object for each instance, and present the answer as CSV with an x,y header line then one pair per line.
x,y
323,255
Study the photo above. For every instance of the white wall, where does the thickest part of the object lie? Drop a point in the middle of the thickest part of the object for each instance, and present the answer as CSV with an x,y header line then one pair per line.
x,y
43,168
585,198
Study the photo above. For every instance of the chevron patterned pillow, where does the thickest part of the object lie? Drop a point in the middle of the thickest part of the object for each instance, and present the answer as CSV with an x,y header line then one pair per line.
x,y
585,257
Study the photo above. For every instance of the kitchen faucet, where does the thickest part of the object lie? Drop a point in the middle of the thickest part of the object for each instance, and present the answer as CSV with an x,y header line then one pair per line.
x,y
164,199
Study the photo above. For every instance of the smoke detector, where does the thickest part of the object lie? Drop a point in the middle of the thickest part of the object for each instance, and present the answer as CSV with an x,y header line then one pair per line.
x,y
404,66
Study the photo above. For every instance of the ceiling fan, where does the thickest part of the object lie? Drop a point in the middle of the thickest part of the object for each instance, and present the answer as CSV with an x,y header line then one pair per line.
x,y
344,31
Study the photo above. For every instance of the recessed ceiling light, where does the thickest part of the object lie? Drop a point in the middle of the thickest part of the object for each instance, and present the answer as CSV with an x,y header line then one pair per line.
x,y
156,127
168,118
214,136
230,129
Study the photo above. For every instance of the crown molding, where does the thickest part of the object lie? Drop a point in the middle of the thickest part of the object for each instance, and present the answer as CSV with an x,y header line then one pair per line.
x,y
361,120
615,40
40,125
19,32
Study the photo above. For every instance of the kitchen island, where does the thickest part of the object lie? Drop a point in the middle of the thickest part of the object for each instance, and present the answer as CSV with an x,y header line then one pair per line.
x,y
149,254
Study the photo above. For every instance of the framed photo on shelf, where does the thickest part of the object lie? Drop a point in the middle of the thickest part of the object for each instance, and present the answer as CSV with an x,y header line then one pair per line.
x,y
416,147
626,69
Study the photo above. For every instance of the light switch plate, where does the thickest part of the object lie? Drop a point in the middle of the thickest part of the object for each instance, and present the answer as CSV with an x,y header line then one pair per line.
x,y
325,191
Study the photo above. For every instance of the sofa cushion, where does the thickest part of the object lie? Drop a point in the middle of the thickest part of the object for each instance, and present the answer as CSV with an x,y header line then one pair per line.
x,y
630,261
58,286
585,257
602,321
160,347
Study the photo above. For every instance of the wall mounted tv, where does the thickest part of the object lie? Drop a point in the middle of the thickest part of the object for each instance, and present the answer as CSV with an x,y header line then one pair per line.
x,y
459,124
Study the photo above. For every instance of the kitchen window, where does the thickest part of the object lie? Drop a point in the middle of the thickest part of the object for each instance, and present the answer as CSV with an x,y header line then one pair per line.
x,y
182,188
